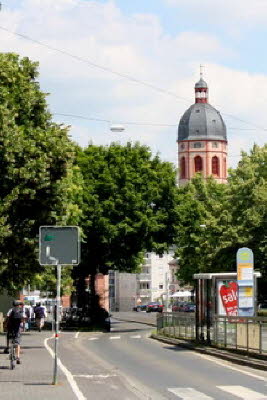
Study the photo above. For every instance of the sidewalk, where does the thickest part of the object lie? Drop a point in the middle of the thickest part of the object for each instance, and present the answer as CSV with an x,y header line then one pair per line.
x,y
32,379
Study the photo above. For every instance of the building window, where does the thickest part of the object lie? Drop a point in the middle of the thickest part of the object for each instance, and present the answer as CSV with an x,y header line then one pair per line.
x,y
215,166
197,145
215,144
182,146
160,286
197,111
182,168
198,164
224,168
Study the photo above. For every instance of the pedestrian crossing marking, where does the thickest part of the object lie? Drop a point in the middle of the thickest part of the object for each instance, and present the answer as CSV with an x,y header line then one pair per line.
x,y
243,392
189,394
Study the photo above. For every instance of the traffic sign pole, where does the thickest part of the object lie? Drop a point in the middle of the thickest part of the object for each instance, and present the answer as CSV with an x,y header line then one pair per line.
x,y
57,318
58,245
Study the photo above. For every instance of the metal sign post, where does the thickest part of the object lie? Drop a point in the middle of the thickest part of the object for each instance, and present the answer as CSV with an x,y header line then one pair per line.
x,y
58,245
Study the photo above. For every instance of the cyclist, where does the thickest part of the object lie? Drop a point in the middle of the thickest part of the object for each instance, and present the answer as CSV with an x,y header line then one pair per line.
x,y
14,322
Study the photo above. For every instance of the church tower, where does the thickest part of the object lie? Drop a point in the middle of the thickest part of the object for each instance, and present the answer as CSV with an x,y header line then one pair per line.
x,y
202,139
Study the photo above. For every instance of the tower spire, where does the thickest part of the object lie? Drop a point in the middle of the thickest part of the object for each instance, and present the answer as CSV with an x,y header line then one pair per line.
x,y
201,88
201,67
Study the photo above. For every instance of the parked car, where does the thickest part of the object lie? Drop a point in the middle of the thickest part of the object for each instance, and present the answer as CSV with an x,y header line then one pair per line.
x,y
177,306
189,307
154,306
262,309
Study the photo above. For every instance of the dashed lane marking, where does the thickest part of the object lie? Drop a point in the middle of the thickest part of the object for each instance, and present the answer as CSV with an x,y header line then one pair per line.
x,y
115,337
93,338
95,376
136,337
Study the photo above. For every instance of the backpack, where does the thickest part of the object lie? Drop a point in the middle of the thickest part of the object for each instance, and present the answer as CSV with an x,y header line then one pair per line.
x,y
15,317
39,312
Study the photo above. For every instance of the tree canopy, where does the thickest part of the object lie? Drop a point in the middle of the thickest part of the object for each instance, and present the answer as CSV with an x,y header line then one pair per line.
x,y
39,180
128,206
234,216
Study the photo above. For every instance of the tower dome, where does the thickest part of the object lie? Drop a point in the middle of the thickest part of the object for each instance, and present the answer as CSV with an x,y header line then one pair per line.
x,y
202,139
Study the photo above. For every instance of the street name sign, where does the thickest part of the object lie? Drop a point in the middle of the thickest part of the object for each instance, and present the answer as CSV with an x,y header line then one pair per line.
x,y
59,245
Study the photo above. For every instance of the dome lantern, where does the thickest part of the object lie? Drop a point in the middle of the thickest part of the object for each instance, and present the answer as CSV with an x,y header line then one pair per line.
x,y
201,89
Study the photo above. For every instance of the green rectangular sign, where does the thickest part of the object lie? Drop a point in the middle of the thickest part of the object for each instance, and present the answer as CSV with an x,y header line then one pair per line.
x,y
59,245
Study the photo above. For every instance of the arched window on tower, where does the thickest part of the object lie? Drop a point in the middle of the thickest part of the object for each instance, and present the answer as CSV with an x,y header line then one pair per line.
x,y
215,167
198,164
182,168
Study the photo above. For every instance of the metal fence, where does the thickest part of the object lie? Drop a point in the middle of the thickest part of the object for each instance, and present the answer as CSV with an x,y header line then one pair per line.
x,y
241,333
176,325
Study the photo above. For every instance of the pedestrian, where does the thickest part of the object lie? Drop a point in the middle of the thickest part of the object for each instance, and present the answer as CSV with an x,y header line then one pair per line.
x,y
14,322
28,313
40,315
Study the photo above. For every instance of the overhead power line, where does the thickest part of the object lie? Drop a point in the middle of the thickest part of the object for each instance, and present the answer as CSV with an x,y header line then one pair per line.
x,y
136,123
122,75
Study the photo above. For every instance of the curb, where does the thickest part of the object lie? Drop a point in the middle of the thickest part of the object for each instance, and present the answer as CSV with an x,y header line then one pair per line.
x,y
211,351
130,320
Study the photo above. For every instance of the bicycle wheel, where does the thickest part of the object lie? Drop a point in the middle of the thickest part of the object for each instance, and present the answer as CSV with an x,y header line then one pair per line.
x,y
12,357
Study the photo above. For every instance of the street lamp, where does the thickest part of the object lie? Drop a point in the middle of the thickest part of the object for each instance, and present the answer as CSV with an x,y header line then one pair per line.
x,y
117,128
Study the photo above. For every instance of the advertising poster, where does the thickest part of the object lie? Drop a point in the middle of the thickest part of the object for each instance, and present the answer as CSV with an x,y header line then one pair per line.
x,y
245,271
227,297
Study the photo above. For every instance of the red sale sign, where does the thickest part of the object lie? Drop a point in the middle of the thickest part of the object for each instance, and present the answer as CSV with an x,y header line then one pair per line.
x,y
228,295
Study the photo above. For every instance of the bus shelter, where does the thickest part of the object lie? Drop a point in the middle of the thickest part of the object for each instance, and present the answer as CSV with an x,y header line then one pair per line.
x,y
208,302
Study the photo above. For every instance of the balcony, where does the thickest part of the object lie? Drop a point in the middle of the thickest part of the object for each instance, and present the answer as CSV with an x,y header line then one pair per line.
x,y
144,292
144,277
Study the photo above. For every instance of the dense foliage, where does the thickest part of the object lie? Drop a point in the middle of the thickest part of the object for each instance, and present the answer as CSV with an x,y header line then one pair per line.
x,y
129,201
37,171
234,215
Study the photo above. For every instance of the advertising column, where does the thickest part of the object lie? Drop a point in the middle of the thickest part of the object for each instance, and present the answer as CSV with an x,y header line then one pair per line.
x,y
245,272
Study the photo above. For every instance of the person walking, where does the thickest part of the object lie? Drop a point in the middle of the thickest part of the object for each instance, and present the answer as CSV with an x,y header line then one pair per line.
x,y
40,315
14,322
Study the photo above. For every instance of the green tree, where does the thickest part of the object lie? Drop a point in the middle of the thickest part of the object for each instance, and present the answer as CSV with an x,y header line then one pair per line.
x,y
246,208
129,207
39,181
200,205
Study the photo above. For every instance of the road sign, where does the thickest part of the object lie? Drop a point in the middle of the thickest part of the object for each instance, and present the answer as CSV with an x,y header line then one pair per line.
x,y
59,245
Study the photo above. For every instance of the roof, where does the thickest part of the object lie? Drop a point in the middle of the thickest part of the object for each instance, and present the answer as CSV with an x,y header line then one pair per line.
x,y
201,121
222,275
201,84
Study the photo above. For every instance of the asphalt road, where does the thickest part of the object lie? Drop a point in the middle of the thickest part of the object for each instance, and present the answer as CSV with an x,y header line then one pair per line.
x,y
127,364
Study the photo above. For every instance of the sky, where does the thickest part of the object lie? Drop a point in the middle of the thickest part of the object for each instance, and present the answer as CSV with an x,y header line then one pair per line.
x,y
135,63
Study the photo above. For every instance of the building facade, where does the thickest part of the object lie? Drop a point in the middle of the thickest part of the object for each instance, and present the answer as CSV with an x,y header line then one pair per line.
x,y
202,139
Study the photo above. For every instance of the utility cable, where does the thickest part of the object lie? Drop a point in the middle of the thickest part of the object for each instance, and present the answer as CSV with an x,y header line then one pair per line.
x,y
122,75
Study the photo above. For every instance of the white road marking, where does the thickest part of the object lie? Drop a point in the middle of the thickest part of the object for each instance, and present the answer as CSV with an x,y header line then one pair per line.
x,y
95,376
136,337
93,338
68,374
243,392
77,334
189,394
115,337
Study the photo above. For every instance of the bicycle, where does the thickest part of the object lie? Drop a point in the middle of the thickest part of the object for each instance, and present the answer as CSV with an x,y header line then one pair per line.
x,y
12,353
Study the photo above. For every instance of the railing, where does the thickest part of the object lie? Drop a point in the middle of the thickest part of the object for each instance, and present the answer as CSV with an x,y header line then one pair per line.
x,y
243,333
177,325
144,277
234,333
